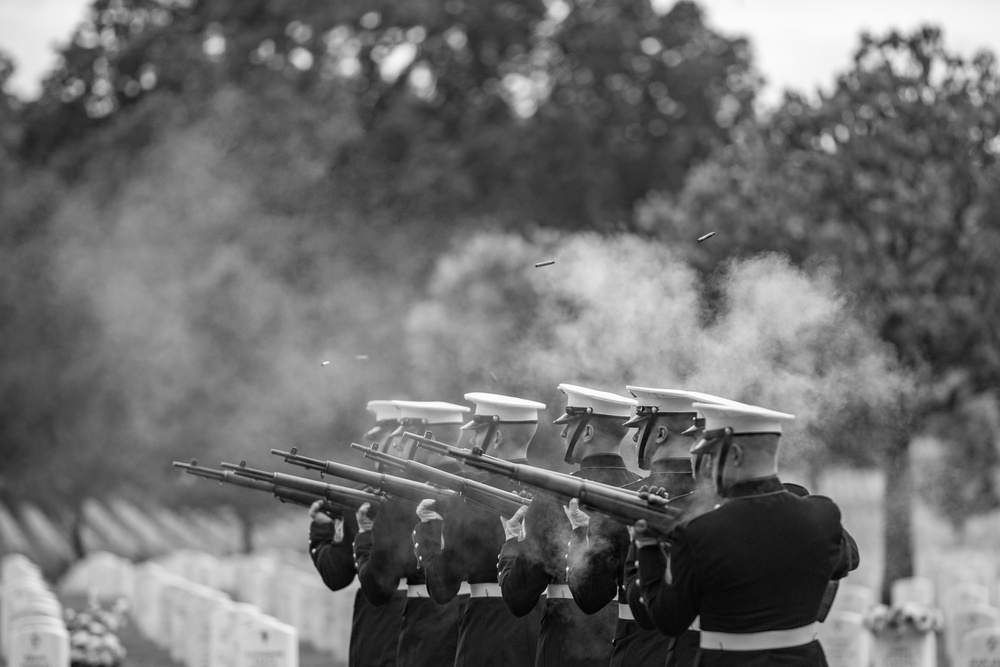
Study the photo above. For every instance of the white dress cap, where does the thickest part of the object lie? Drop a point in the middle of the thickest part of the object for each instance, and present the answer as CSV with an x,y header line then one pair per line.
x,y
664,400
384,410
430,412
702,397
509,409
601,403
743,419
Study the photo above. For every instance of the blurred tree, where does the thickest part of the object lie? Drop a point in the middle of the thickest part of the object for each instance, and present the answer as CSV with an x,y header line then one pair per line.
x,y
552,113
633,99
966,440
892,174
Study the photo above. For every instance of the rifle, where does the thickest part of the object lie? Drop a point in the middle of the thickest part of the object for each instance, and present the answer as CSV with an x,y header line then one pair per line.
x,y
439,447
352,498
332,509
623,505
476,493
397,487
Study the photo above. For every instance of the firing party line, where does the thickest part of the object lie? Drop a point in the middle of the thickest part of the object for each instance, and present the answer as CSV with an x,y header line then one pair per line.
x,y
475,556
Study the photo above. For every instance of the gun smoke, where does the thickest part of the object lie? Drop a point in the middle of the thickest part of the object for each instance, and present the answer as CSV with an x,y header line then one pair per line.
x,y
627,310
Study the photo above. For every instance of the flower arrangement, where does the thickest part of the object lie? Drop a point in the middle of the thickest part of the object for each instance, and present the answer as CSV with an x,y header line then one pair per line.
x,y
92,635
909,617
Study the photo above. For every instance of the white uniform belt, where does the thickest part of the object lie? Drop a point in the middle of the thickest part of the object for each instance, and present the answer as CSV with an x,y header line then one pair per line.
x,y
417,591
485,591
464,589
696,624
625,612
759,641
402,585
559,592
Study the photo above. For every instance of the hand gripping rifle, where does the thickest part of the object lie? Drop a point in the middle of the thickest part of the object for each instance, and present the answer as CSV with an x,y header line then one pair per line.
x,y
352,498
397,487
331,508
623,505
476,493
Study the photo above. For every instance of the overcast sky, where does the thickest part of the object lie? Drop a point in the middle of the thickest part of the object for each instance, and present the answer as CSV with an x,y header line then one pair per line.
x,y
798,44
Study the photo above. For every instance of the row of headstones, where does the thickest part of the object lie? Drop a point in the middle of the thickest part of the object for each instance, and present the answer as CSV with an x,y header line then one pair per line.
x,y
32,630
175,596
971,627
284,585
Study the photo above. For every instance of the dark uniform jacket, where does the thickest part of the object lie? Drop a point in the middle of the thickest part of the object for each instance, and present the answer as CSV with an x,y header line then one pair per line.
x,y
428,634
488,634
758,563
373,629
576,631
638,642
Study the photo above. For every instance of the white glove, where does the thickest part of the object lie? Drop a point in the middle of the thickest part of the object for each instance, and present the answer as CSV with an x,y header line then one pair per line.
x,y
316,515
514,526
364,523
577,517
425,510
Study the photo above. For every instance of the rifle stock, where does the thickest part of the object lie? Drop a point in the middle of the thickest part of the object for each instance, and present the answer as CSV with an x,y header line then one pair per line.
x,y
476,493
391,485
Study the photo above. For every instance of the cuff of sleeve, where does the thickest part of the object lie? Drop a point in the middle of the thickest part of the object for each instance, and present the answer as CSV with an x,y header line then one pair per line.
x,y
510,549
363,541
652,562
427,539
321,532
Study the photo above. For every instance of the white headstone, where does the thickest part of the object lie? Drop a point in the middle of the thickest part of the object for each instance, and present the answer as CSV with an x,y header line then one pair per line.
x,y
912,589
980,648
17,590
853,597
39,643
905,649
845,640
223,622
198,608
963,595
102,573
285,594
962,620
254,576
266,642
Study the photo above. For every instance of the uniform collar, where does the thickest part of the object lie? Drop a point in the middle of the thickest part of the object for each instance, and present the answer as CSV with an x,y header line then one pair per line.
x,y
603,461
755,487
671,466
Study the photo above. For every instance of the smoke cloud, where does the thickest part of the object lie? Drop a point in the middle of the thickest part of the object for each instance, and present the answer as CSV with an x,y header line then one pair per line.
x,y
625,310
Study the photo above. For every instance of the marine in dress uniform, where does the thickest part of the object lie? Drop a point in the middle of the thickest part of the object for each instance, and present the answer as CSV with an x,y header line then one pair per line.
x,y
578,623
383,551
755,569
374,629
664,436
464,545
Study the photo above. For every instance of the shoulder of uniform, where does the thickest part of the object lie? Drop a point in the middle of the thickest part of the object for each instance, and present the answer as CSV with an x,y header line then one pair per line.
x,y
822,503
705,520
